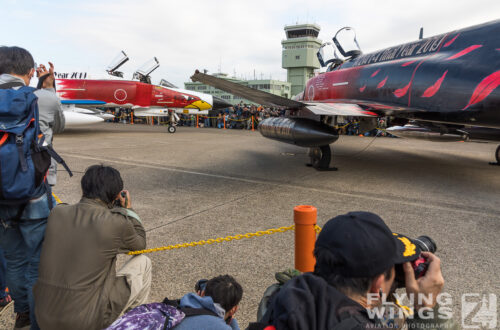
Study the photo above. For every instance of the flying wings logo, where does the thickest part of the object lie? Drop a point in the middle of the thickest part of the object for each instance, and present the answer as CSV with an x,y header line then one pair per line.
x,y
479,311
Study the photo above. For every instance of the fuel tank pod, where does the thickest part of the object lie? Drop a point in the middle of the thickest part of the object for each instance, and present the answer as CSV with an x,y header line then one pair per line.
x,y
298,131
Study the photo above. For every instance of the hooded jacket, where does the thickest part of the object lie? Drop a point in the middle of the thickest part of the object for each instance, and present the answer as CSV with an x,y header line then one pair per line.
x,y
308,302
206,322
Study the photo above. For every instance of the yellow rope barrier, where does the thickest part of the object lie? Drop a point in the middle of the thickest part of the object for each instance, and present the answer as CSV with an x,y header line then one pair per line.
x,y
58,200
216,240
222,239
317,229
228,238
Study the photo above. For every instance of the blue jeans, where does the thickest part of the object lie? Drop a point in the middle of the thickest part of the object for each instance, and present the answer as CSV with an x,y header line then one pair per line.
x,y
21,242
3,282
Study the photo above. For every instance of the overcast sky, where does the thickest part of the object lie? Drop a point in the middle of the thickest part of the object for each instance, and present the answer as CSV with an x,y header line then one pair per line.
x,y
235,36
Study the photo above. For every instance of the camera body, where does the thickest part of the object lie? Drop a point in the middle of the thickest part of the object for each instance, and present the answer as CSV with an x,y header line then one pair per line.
x,y
117,201
201,285
426,244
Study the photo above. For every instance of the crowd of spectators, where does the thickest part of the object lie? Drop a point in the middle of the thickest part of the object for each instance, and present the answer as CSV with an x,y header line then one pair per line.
x,y
238,117
241,116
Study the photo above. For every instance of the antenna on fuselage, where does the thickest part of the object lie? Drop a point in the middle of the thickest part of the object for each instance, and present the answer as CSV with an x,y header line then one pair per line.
x,y
421,34
117,62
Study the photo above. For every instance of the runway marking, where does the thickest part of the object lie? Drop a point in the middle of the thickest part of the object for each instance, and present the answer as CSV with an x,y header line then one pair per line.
x,y
284,184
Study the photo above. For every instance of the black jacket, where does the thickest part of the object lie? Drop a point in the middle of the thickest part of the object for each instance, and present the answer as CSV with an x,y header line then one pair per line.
x,y
308,302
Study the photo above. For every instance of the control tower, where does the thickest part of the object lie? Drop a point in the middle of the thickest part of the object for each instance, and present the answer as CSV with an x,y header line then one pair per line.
x,y
299,54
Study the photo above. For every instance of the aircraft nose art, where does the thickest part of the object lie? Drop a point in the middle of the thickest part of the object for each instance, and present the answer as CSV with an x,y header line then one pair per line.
x,y
200,105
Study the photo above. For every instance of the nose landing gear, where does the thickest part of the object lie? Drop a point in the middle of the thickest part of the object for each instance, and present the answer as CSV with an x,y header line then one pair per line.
x,y
171,129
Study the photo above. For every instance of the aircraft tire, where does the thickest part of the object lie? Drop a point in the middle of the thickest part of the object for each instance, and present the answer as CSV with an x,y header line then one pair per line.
x,y
171,129
320,157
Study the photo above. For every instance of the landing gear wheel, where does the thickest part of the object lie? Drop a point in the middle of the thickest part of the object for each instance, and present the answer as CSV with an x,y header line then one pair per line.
x,y
497,156
171,129
320,158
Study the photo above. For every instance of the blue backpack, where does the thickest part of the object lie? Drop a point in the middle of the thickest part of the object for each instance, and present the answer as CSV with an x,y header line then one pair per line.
x,y
24,161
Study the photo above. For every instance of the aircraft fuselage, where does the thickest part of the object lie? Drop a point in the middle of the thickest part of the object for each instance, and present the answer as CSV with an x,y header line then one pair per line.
x,y
132,94
450,78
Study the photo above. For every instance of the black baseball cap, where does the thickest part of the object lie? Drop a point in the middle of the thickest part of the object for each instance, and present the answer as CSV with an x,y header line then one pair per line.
x,y
365,245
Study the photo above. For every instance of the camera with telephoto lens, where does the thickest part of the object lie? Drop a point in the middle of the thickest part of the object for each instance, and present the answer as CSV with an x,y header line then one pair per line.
x,y
426,244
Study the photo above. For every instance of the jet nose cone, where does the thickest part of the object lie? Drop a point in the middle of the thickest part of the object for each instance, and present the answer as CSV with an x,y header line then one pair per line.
x,y
220,103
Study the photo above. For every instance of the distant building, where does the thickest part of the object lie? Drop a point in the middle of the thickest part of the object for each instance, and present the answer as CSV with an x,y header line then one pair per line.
x,y
299,54
276,87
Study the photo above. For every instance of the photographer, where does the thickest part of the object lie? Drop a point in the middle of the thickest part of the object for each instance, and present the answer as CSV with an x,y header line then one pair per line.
x,y
357,257
220,295
51,115
78,286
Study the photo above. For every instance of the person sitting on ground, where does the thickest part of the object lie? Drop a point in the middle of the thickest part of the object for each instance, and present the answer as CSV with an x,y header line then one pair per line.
x,y
221,295
78,286
356,254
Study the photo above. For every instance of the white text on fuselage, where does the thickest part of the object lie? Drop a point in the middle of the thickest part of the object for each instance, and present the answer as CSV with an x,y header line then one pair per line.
x,y
417,48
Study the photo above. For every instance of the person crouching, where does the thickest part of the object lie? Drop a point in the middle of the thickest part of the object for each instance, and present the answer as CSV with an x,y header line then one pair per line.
x,y
78,286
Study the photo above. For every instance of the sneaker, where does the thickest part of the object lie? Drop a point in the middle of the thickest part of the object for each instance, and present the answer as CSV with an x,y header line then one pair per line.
x,y
5,302
22,321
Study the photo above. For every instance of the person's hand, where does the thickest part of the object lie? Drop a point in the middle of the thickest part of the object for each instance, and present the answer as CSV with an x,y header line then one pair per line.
x,y
42,71
425,289
125,202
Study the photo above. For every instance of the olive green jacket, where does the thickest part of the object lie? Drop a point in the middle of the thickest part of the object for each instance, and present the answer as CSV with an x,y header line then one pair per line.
x,y
77,287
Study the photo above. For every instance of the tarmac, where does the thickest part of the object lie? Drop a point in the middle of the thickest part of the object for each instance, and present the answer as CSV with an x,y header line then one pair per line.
x,y
207,183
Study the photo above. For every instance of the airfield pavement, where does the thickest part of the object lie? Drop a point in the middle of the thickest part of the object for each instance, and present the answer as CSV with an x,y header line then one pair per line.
x,y
207,183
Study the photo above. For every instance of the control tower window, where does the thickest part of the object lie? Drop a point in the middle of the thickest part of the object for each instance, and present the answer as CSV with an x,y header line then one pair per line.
x,y
302,33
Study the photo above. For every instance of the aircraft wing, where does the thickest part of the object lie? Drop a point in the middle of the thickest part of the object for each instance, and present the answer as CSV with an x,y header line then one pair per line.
x,y
264,98
252,94
338,109
83,103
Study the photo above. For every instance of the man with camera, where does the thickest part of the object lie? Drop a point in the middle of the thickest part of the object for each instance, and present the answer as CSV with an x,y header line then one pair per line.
x,y
78,286
219,296
360,262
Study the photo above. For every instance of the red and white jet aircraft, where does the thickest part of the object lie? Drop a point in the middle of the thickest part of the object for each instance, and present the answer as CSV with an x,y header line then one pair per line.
x,y
82,96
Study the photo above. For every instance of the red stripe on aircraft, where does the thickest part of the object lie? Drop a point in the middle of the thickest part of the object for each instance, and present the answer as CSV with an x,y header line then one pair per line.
x,y
418,65
484,88
464,52
362,89
429,92
451,41
375,73
408,63
382,83
402,91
